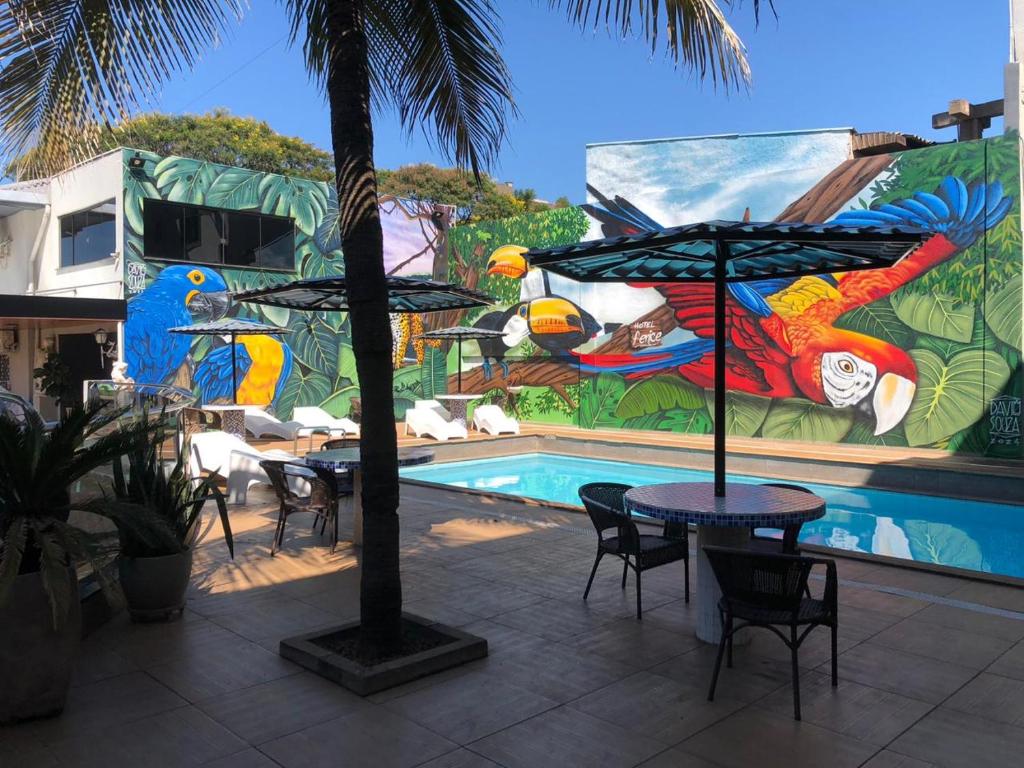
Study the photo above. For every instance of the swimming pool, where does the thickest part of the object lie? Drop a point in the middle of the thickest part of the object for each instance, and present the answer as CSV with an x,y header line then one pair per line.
x,y
979,536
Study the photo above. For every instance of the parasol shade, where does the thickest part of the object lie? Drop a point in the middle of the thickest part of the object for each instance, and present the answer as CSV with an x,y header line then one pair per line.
x,y
330,294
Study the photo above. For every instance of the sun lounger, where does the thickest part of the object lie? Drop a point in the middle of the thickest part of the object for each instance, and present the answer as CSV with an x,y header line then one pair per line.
x,y
315,416
233,459
429,417
259,423
494,421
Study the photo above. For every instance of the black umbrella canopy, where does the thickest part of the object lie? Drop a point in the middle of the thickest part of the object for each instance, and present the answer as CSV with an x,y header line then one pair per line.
x,y
330,294
458,333
723,252
229,326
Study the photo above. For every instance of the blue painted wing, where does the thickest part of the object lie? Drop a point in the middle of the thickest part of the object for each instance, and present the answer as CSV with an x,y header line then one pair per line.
x,y
213,374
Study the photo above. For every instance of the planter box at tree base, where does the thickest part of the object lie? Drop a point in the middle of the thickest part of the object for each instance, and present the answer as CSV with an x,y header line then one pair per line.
x,y
309,651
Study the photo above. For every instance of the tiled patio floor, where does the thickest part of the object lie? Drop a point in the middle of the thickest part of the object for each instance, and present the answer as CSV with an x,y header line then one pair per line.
x,y
932,667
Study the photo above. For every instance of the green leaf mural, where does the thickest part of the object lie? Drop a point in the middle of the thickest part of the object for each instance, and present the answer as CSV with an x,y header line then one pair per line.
x,y
1003,313
339,404
863,433
433,373
302,200
795,418
136,189
952,395
314,343
328,232
942,543
184,180
936,315
744,414
599,398
303,387
657,394
879,320
235,188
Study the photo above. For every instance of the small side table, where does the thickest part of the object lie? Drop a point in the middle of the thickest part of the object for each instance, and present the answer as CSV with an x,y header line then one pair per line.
x,y
458,405
232,418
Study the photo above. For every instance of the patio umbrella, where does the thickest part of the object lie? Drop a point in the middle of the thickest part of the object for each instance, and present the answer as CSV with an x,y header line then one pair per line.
x,y
458,333
330,294
229,326
724,252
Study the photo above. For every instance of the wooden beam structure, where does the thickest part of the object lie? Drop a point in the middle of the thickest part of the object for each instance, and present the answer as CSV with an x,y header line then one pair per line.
x,y
970,119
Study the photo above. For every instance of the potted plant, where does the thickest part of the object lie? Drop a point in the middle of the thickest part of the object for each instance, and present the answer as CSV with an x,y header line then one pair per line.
x,y
40,615
55,380
156,561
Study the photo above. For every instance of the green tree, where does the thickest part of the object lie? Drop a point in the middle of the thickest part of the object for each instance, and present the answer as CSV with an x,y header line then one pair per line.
x,y
70,66
217,136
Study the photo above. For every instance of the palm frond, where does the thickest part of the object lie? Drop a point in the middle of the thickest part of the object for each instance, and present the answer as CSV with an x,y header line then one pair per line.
x,y
11,553
72,67
695,33
53,572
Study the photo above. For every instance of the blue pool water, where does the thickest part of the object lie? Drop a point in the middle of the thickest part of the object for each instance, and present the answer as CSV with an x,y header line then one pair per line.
x,y
976,535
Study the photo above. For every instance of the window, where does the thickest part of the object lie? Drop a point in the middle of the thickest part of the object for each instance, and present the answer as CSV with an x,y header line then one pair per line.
x,y
179,232
87,235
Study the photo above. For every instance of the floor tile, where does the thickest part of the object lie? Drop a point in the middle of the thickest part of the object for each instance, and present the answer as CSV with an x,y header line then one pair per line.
x,y
469,707
566,737
270,710
955,739
247,758
677,758
993,595
907,674
968,649
752,676
632,642
972,621
1011,663
867,714
991,696
656,706
554,619
889,759
460,758
883,602
558,672
744,739
367,738
276,617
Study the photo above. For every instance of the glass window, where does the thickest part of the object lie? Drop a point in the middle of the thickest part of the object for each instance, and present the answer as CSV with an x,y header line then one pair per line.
x,y
203,240
277,243
163,235
242,239
87,235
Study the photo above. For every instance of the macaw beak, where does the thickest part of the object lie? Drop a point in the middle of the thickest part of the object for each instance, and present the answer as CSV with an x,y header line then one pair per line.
x,y
208,306
508,261
554,315
891,401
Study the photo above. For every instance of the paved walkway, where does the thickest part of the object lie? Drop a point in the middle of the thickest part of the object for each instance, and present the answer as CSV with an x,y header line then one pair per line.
x,y
932,667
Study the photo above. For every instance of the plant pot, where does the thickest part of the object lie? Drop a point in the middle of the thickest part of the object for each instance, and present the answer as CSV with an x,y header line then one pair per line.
x,y
154,587
36,660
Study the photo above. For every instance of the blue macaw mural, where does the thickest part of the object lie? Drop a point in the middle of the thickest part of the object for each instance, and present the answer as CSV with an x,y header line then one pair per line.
x,y
263,365
180,295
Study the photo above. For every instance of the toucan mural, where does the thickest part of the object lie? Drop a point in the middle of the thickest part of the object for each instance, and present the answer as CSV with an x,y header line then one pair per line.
x,y
926,353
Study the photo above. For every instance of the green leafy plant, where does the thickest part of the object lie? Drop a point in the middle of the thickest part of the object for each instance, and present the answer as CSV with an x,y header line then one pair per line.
x,y
37,467
55,378
164,504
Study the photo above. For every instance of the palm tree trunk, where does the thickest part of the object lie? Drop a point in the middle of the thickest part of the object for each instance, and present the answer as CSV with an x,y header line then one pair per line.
x,y
348,92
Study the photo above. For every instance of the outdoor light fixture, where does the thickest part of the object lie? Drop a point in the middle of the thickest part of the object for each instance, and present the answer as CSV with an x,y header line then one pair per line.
x,y
136,163
9,338
108,348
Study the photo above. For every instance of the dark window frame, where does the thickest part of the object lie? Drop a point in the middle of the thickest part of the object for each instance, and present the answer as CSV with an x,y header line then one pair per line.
x,y
60,235
222,264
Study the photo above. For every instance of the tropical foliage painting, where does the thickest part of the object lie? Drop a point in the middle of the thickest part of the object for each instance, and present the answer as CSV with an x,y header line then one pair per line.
x,y
312,362
924,354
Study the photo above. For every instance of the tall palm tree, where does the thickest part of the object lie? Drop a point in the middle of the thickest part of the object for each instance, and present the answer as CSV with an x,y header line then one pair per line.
x,y
69,67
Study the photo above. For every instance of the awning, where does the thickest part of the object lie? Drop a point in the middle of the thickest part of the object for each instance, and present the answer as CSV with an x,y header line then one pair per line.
x,y
61,308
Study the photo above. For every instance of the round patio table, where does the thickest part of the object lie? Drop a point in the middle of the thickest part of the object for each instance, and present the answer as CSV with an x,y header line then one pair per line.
x,y
342,459
723,521
458,405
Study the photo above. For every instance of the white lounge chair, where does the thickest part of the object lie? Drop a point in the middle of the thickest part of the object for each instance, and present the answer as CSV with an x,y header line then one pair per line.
x,y
429,417
494,421
314,416
233,459
259,423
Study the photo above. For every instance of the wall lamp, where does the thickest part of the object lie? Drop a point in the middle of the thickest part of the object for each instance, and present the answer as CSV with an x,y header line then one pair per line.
x,y
108,347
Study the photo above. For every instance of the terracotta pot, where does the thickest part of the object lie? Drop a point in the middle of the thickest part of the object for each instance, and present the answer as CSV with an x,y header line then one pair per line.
x,y
36,660
154,587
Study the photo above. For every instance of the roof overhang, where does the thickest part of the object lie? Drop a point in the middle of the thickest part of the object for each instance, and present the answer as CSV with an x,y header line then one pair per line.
x,y
15,200
61,308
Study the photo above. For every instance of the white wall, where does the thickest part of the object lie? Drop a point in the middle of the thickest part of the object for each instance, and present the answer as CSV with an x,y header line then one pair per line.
x,y
20,229
83,187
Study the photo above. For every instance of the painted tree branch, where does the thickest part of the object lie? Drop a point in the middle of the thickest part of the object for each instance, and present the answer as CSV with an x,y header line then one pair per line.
x,y
556,374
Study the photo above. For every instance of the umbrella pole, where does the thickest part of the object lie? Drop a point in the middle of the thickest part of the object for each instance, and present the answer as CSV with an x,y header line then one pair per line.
x,y
234,373
720,385
459,363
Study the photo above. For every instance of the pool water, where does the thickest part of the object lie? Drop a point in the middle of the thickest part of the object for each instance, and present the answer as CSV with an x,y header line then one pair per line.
x,y
979,536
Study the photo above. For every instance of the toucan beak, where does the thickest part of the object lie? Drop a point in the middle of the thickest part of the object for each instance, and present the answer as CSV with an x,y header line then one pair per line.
x,y
208,306
554,315
508,261
891,401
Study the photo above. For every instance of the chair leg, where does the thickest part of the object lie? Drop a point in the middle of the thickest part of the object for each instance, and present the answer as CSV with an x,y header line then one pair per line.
x,y
625,570
323,524
334,521
835,654
794,652
278,532
593,571
728,655
639,609
718,658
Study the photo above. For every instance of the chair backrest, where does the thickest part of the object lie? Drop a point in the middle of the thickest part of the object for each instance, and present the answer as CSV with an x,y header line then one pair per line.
x,y
767,580
275,472
605,504
791,533
339,442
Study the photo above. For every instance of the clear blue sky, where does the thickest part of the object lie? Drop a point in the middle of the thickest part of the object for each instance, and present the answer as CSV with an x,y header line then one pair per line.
x,y
873,65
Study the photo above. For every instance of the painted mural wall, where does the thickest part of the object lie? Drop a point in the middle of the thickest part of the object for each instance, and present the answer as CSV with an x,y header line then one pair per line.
x,y
925,354
311,363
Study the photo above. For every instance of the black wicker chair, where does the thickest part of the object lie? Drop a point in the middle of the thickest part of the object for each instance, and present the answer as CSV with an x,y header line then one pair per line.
x,y
788,544
339,442
322,501
768,590
641,552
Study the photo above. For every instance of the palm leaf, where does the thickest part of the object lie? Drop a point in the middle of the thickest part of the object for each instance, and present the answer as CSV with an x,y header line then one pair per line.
x,y
74,66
